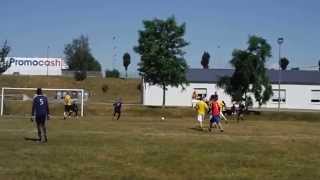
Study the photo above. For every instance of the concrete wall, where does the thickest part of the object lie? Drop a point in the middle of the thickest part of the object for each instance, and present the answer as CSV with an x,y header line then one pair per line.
x,y
297,96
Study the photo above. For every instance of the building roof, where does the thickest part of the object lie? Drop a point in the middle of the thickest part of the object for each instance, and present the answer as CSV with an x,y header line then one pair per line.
x,y
297,77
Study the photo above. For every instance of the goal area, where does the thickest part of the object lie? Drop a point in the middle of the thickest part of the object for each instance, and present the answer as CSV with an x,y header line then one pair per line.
x,y
18,101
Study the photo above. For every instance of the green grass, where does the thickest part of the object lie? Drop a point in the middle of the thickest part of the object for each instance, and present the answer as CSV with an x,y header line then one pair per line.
x,y
141,146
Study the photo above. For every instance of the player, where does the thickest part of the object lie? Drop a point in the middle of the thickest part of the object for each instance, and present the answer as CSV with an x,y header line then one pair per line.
x,y
222,105
233,110
117,108
194,99
240,112
74,109
40,112
67,106
201,108
215,110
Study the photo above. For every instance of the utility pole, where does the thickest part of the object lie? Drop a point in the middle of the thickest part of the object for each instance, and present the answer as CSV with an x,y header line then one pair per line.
x,y
48,60
280,42
114,51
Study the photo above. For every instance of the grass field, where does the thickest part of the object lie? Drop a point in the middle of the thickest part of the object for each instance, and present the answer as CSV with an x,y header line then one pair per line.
x,y
141,146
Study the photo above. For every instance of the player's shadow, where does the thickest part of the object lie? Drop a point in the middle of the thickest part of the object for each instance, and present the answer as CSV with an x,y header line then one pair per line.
x,y
31,139
197,129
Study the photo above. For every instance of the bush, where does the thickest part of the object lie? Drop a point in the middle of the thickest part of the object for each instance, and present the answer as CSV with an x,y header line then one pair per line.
x,y
112,74
80,75
105,88
139,86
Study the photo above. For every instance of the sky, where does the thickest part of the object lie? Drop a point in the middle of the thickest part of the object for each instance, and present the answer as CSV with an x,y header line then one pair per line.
x,y
219,27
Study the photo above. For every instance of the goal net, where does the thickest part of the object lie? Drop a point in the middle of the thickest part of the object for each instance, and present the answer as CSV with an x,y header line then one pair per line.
x,y
18,101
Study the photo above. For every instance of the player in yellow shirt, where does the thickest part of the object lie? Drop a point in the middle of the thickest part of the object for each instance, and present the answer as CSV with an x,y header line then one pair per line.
x,y
222,104
201,108
67,106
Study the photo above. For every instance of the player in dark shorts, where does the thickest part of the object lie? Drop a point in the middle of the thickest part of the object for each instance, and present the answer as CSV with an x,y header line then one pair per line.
x,y
74,109
240,112
67,106
117,108
40,112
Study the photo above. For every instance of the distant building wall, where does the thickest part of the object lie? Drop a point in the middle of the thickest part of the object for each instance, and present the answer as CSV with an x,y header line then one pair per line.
x,y
293,96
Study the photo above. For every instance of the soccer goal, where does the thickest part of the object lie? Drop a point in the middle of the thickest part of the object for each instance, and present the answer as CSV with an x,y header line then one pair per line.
x,y
19,100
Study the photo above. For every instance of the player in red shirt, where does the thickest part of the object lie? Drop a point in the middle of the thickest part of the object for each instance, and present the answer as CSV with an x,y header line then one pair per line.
x,y
215,110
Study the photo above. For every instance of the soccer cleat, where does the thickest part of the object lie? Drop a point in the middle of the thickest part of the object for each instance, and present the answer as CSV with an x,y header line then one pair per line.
x,y
221,130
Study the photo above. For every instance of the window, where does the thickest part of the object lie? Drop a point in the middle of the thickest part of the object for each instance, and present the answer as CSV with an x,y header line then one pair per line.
x,y
275,97
200,92
315,96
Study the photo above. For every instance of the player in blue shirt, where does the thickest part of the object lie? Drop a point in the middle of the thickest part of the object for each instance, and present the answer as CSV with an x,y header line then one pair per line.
x,y
40,112
117,108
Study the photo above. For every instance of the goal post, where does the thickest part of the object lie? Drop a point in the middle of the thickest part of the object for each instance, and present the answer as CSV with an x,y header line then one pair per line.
x,y
3,95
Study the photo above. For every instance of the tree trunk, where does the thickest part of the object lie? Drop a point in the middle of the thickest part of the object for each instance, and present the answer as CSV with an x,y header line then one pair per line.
x,y
245,101
163,96
126,74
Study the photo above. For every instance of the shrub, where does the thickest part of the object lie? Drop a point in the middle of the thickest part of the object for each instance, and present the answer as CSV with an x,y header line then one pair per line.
x,y
80,75
139,86
105,88
112,74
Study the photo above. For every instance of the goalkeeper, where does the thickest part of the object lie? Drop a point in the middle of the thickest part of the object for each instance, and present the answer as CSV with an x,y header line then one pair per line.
x,y
67,106
40,112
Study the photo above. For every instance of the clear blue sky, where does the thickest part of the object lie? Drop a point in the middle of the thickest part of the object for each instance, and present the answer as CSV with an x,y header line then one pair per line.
x,y
32,25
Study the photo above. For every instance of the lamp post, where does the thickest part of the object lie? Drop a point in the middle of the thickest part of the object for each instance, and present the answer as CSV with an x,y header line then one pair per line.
x,y
216,54
48,60
280,42
114,51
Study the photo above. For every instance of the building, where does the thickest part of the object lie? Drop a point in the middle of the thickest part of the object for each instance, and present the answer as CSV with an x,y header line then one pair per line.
x,y
299,89
35,66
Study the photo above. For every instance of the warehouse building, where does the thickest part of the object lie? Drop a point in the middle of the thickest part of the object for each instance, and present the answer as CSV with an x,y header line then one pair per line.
x,y
298,90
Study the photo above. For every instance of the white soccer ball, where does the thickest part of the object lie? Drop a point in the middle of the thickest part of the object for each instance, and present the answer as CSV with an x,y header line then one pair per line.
x,y
163,118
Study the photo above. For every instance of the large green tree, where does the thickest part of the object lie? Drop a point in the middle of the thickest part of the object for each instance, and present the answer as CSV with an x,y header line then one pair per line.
x,y
4,51
284,62
161,44
126,62
205,60
79,57
250,74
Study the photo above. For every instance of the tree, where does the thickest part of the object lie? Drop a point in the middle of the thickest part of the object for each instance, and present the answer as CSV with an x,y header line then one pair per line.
x,y
79,57
112,73
126,62
4,51
205,60
319,64
284,62
161,46
250,74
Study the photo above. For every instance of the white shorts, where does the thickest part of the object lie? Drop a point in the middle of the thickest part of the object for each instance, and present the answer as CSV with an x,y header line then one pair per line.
x,y
200,118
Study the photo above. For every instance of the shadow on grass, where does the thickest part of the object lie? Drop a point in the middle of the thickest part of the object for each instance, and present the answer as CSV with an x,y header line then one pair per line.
x,y
197,129
31,139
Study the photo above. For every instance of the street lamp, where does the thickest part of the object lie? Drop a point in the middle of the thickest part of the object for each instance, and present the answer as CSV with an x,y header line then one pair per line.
x,y
280,42
48,60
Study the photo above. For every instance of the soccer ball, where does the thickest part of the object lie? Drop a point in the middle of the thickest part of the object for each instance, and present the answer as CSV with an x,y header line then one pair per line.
x,y
163,118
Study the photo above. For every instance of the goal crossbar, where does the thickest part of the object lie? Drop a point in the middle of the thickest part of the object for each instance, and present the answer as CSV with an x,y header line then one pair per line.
x,y
45,89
